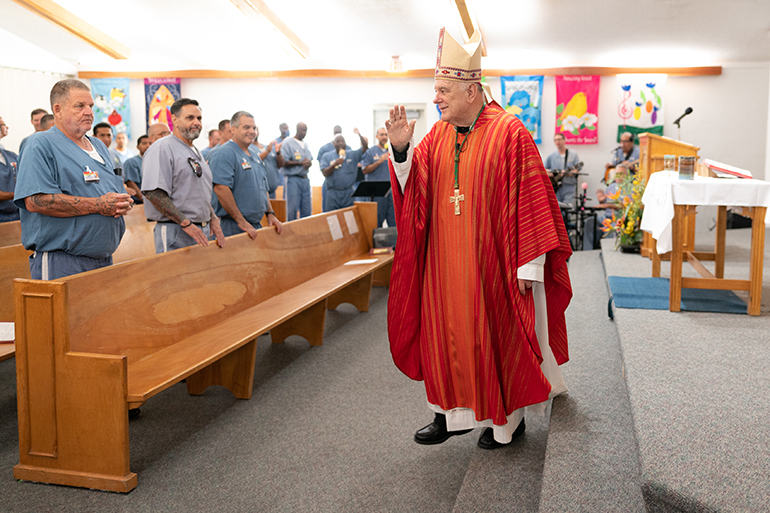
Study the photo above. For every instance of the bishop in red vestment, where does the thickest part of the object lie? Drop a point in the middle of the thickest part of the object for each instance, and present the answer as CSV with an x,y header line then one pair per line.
x,y
479,283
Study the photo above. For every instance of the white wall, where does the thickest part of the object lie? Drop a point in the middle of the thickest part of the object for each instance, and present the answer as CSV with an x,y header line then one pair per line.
x,y
729,122
22,92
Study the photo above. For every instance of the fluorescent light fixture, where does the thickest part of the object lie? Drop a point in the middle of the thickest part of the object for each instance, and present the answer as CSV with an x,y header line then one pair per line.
x,y
258,11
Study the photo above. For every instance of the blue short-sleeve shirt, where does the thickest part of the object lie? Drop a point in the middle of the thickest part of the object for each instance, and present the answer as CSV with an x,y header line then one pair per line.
x,y
170,165
271,167
53,164
245,175
295,150
132,170
8,173
344,177
381,173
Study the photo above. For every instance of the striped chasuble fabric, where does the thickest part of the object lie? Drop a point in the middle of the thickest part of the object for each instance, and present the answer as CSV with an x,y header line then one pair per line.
x,y
455,316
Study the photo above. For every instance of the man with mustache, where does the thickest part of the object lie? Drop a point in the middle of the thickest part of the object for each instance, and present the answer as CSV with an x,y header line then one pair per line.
x,y
72,203
177,183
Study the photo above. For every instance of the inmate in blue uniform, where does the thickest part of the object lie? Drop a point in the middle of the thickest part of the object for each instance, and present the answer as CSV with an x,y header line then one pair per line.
x,y
274,178
339,185
53,164
132,172
8,211
245,175
325,149
297,191
381,173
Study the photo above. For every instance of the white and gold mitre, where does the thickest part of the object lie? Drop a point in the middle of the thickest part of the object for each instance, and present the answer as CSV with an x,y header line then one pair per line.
x,y
458,62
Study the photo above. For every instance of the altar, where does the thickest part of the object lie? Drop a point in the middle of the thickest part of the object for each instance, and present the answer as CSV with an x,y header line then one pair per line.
x,y
669,201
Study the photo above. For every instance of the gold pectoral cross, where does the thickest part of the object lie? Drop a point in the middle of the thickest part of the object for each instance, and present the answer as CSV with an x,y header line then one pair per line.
x,y
456,199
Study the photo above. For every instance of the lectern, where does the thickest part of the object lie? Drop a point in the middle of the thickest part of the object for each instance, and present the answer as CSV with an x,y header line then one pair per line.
x,y
652,149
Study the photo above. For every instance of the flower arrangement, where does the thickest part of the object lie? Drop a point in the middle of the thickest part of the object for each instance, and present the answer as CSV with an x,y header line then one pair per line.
x,y
626,222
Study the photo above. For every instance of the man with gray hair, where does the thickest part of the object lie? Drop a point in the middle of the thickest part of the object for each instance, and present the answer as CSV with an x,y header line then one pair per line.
x,y
72,203
177,183
240,181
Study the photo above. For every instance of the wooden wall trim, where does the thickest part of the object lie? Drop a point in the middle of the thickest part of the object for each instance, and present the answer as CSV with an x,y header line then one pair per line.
x,y
415,73
76,26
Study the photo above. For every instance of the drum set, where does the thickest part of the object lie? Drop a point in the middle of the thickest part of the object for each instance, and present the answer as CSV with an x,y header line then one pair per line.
x,y
575,215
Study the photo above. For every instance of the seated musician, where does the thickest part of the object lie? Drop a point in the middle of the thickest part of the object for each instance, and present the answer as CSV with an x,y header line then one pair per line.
x,y
627,154
610,205
558,161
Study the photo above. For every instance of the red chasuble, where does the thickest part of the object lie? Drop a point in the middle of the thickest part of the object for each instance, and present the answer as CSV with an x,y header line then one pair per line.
x,y
456,318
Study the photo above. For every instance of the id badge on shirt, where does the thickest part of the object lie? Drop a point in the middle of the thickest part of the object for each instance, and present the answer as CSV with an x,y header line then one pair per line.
x,y
245,165
297,156
90,176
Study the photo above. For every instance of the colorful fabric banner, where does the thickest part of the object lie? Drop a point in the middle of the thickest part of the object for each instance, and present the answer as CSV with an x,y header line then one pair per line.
x,y
112,104
523,97
577,108
640,103
159,95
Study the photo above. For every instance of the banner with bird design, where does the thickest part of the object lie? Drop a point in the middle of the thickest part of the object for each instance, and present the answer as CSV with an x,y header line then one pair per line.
x,y
159,95
640,103
522,97
577,108
112,104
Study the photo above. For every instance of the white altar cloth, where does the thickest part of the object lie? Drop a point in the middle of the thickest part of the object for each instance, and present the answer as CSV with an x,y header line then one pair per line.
x,y
665,189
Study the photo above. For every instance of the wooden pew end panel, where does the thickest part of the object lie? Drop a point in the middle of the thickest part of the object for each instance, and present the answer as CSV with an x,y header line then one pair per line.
x,y
235,372
69,434
309,324
357,294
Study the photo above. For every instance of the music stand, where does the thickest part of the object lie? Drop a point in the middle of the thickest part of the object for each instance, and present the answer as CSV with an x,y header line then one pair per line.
x,y
372,190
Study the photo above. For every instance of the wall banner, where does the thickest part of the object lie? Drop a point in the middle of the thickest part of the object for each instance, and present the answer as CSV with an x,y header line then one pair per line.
x,y
577,108
640,103
523,97
159,95
112,104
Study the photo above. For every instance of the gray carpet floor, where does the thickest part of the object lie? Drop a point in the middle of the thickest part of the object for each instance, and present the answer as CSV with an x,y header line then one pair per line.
x,y
698,388
330,428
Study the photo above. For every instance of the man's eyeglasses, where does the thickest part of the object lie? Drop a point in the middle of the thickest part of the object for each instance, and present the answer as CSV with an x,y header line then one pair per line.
x,y
196,166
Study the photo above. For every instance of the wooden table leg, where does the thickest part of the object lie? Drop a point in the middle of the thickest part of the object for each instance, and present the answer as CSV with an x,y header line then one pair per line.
x,y
757,258
655,257
719,246
677,238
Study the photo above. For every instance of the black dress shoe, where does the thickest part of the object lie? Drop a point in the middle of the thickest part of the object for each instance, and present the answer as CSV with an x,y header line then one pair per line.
x,y
132,414
487,438
436,432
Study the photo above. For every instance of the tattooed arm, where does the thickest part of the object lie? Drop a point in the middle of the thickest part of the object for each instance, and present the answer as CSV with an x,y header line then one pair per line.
x,y
111,204
160,200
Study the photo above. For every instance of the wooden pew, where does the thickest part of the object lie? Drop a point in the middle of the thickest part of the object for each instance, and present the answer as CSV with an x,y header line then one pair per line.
x,y
93,345
10,233
137,242
14,263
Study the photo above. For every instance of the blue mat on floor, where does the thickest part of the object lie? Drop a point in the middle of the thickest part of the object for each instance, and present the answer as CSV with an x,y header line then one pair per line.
x,y
652,294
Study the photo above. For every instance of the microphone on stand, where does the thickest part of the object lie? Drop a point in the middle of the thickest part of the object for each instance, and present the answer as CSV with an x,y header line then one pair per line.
x,y
686,112
583,198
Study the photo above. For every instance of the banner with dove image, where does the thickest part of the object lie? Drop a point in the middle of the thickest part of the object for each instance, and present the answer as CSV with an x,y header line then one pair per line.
x,y
523,97
577,108
112,104
640,103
